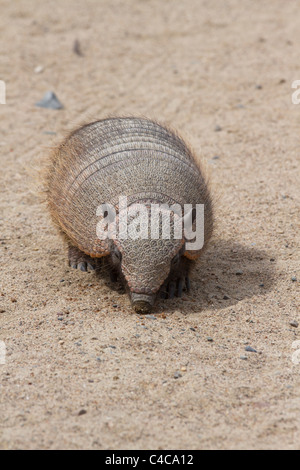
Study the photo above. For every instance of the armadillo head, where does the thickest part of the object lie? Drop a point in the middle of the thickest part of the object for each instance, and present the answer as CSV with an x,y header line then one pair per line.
x,y
145,263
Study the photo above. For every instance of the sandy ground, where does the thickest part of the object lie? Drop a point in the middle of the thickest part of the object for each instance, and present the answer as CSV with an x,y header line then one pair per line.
x,y
82,370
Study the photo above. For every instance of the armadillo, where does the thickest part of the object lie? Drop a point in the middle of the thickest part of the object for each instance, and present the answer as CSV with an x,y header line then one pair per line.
x,y
147,163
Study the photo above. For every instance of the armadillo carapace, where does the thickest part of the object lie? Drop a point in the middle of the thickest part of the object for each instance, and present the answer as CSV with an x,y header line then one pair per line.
x,y
140,162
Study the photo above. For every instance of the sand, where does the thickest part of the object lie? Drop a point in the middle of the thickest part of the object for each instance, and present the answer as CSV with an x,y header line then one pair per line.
x,y
82,370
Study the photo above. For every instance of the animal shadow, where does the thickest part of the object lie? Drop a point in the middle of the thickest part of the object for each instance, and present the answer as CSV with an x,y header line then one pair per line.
x,y
226,274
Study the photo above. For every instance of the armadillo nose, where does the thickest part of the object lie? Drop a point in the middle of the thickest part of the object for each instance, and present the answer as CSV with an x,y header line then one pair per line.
x,y
142,303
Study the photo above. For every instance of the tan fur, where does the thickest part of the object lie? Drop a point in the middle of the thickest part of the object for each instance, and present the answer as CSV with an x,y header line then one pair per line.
x,y
71,187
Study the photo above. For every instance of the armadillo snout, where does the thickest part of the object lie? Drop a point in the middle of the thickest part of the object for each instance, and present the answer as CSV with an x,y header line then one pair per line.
x,y
142,303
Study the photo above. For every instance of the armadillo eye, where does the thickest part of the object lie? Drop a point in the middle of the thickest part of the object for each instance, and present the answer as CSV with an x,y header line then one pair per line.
x,y
118,255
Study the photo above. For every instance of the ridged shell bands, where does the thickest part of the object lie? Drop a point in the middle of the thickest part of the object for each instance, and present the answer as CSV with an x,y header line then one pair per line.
x,y
133,157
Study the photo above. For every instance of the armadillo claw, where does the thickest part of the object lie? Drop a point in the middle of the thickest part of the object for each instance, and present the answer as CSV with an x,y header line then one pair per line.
x,y
188,284
179,287
174,288
82,266
79,260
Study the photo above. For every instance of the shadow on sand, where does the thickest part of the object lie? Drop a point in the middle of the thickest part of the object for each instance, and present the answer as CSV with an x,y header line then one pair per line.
x,y
227,273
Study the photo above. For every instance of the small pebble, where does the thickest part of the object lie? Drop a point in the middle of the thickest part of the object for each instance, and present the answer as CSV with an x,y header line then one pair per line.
x,y
49,101
82,412
294,323
151,317
294,279
225,297
218,128
244,358
249,349
177,375
209,339
76,48
39,69
239,272
216,157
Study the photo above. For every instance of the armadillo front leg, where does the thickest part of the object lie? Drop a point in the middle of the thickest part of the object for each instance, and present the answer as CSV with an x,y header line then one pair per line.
x,y
178,280
79,260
